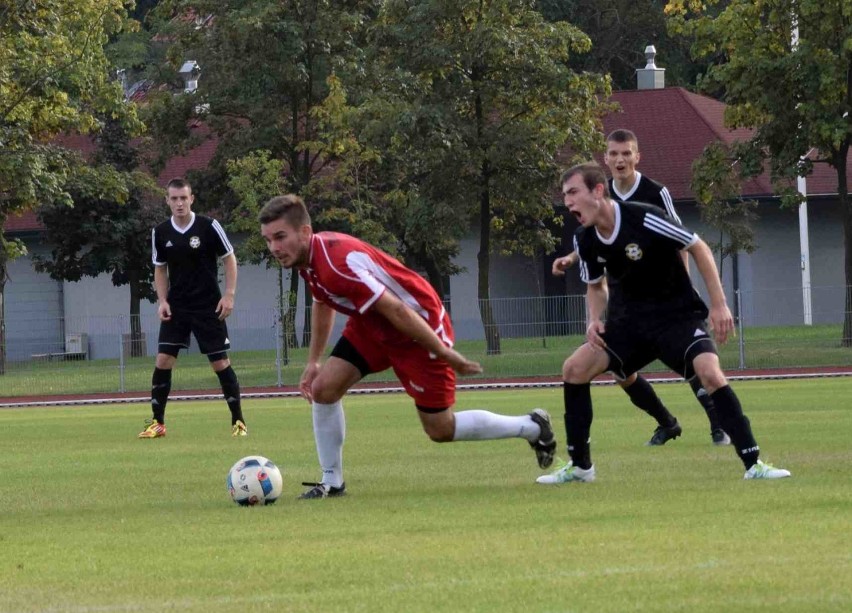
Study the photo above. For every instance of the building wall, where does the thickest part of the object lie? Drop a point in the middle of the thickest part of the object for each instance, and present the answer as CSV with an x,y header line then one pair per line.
x,y
770,282
33,309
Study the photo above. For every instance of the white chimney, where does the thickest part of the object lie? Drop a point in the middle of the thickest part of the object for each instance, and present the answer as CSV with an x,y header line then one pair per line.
x,y
189,72
650,77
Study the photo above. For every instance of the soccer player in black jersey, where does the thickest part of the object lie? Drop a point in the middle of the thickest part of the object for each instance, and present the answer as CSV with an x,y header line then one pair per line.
x,y
628,184
653,312
185,251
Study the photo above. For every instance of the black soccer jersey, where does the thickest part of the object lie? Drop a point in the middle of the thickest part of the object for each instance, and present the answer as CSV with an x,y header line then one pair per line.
x,y
647,191
192,255
642,258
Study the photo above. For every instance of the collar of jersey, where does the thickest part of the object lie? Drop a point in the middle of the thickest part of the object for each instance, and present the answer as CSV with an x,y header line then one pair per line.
x,y
616,227
188,226
629,193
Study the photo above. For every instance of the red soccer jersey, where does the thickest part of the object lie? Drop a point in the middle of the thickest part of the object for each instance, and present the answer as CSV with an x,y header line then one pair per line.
x,y
349,275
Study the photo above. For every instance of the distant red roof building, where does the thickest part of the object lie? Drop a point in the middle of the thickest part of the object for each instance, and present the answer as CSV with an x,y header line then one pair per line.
x,y
673,127
672,124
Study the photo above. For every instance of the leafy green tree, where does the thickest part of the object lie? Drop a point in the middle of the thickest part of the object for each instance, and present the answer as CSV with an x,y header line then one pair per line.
x,y
54,78
264,66
796,95
481,99
107,229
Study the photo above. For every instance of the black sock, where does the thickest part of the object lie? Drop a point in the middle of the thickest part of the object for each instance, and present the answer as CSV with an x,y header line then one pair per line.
x,y
736,424
231,389
644,397
578,422
161,385
706,402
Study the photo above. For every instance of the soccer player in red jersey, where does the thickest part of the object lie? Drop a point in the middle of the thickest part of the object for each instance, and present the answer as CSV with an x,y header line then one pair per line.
x,y
396,320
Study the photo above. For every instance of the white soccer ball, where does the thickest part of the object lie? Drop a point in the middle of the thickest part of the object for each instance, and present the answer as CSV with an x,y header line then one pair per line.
x,y
254,480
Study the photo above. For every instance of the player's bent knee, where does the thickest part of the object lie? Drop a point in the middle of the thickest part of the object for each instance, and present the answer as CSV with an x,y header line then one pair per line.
x,y
165,361
220,365
440,436
326,394
709,372
574,371
439,424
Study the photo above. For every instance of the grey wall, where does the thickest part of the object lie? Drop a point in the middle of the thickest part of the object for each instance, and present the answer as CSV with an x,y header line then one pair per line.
x,y
770,280
33,309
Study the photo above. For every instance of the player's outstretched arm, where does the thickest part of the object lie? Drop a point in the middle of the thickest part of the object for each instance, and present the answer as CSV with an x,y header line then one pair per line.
x,y
226,303
415,327
721,320
322,321
161,286
560,265
597,296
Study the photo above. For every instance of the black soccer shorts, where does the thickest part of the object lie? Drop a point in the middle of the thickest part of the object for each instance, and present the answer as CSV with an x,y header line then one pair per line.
x,y
210,333
633,345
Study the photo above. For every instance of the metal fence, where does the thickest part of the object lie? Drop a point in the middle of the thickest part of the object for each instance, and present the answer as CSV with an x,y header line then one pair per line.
x,y
98,354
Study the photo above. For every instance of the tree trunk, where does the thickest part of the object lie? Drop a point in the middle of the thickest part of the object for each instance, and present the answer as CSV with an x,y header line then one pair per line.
x,y
483,258
2,301
138,347
437,281
292,301
306,330
843,194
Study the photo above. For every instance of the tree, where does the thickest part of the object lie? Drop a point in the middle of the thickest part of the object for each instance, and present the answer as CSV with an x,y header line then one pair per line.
x,y
107,229
263,68
796,95
620,30
481,99
54,78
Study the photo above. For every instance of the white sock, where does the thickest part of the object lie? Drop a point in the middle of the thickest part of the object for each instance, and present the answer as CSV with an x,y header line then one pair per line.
x,y
485,425
329,432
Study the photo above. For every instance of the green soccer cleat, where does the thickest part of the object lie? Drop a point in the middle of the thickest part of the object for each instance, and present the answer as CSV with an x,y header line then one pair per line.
x,y
568,473
761,470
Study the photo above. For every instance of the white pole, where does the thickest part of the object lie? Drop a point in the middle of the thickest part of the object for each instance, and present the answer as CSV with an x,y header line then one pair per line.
x,y
801,186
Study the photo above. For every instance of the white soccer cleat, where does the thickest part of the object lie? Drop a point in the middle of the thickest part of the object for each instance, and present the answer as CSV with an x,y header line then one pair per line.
x,y
567,474
762,470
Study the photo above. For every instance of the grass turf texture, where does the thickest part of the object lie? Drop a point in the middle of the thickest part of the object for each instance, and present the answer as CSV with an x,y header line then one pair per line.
x,y
96,520
771,347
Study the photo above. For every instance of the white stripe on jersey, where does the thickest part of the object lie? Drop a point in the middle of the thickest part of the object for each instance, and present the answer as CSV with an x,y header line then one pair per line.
x,y
667,200
377,278
224,238
154,249
669,230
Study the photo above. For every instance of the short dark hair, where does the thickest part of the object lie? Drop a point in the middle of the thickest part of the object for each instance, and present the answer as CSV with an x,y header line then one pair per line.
x,y
592,174
623,136
289,207
179,183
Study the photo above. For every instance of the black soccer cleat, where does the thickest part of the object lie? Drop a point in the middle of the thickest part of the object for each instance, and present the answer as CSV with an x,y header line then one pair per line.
x,y
663,434
545,446
322,490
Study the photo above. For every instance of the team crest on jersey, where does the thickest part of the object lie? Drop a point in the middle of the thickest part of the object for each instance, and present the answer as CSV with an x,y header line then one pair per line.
x,y
633,252
195,242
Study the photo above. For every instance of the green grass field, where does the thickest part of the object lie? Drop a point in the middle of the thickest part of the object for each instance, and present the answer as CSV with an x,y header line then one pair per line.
x,y
95,520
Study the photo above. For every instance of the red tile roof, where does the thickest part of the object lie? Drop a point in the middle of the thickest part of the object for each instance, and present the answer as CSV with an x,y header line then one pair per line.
x,y
673,127
672,124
